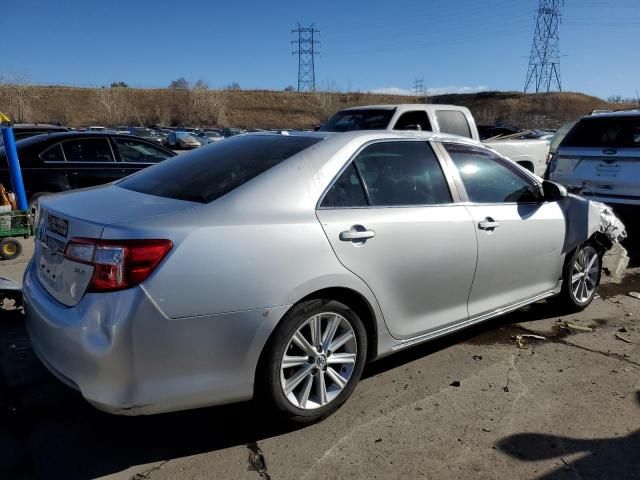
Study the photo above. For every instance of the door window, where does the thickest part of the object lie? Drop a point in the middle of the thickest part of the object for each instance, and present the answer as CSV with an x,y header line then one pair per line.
x,y
488,178
454,122
417,120
394,174
134,151
88,150
53,154
347,191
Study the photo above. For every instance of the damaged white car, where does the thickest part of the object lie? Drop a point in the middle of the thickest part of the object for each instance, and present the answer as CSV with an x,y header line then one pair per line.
x,y
275,266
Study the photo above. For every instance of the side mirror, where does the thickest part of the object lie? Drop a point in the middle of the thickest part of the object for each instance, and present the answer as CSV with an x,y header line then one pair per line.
x,y
553,191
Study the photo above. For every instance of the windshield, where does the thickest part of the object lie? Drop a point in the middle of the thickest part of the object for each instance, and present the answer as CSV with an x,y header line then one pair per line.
x,y
349,120
208,173
605,131
184,135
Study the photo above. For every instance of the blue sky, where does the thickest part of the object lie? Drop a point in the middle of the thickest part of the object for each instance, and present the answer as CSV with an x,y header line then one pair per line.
x,y
366,45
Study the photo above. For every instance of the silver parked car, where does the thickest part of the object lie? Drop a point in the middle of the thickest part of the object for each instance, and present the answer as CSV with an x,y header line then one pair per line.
x,y
277,265
600,158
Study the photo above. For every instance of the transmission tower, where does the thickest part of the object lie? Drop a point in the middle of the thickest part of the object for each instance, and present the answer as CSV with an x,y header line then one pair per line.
x,y
543,73
418,87
306,51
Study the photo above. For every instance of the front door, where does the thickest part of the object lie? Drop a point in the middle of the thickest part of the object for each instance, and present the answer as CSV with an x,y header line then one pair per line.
x,y
391,220
520,236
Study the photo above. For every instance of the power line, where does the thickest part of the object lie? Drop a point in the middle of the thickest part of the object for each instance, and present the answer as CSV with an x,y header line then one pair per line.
x,y
306,51
543,72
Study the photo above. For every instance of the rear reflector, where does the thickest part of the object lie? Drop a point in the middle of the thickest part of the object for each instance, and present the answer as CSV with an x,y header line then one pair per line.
x,y
118,264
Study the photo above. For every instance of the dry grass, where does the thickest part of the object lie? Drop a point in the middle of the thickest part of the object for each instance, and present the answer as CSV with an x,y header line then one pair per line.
x,y
270,109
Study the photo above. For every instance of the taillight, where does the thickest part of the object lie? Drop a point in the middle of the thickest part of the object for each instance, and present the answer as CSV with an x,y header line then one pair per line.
x,y
118,264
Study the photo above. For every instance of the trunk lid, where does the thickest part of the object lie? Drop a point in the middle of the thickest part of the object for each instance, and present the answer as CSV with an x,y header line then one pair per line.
x,y
85,214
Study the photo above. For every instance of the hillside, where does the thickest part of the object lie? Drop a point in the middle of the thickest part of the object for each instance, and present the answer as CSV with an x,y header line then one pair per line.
x,y
265,109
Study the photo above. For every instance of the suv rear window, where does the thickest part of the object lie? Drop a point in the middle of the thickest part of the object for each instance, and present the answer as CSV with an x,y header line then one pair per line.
x,y
210,172
618,132
365,119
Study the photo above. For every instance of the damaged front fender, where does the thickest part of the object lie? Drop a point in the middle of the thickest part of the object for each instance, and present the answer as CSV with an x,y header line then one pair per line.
x,y
587,219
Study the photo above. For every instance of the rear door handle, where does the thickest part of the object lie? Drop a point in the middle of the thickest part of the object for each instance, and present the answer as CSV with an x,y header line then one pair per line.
x,y
488,224
357,233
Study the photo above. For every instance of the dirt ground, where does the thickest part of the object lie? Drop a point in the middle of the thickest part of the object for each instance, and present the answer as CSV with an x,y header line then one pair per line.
x,y
471,406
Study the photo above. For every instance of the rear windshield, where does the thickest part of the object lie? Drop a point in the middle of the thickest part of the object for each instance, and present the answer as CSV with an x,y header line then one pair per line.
x,y
349,120
209,172
618,132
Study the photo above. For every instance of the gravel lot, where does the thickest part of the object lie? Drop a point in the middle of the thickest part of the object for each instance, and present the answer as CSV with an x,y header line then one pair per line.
x,y
470,406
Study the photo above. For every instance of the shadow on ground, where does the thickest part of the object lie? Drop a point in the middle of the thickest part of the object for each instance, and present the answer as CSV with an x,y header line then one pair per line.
x,y
49,431
613,458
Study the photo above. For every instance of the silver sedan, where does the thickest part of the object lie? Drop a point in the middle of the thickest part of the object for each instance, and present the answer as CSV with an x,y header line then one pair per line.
x,y
276,265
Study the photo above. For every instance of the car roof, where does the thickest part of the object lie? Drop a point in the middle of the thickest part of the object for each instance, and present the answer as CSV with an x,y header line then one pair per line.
x,y
406,106
620,113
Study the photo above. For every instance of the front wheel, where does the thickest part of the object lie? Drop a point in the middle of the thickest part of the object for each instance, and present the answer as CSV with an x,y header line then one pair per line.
x,y
581,278
314,360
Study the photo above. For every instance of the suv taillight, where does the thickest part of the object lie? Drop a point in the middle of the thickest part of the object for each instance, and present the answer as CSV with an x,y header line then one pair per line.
x,y
118,264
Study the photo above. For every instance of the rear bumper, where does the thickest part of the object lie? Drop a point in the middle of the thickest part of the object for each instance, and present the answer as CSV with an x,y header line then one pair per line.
x,y
126,357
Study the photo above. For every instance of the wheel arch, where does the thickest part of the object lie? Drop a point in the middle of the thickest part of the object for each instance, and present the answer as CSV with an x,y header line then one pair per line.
x,y
345,295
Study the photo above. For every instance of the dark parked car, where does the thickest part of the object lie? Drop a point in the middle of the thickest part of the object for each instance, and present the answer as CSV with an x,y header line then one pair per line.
x,y
26,130
64,161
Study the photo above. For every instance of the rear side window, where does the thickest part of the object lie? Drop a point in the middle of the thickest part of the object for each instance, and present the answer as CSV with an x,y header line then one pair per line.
x,y
616,132
347,191
396,174
418,120
88,150
208,173
53,154
454,122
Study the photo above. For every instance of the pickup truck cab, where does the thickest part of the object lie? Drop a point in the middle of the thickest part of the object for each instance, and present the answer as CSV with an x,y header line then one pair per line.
x,y
451,119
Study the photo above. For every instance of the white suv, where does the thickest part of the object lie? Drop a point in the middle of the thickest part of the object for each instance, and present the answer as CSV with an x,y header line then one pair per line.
x,y
600,158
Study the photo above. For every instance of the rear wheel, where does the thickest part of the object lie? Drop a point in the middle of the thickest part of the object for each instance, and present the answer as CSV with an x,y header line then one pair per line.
x,y
315,359
581,278
10,248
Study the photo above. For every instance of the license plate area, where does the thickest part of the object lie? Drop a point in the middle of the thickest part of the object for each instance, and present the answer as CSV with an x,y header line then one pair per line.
x,y
58,225
608,170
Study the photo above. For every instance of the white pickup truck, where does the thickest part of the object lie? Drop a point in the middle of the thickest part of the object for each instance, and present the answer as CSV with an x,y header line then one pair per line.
x,y
531,154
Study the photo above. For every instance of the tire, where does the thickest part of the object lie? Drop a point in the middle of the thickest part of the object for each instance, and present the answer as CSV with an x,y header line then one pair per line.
x,y
10,248
296,391
578,288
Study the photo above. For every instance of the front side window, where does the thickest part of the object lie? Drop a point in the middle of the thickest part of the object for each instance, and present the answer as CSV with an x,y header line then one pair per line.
x,y
394,174
488,179
453,122
139,152
417,120
88,150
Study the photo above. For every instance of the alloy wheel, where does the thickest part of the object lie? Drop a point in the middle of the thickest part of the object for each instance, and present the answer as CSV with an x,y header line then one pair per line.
x,y
584,274
318,361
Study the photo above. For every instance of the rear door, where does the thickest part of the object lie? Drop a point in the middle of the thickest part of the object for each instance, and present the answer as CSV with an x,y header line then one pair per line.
x,y
520,236
391,219
90,162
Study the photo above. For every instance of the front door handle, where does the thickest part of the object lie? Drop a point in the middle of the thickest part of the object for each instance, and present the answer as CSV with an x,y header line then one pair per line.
x,y
357,233
488,224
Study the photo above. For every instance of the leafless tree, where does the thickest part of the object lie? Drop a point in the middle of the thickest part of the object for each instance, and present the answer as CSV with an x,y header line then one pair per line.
x,y
326,101
21,94
113,103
